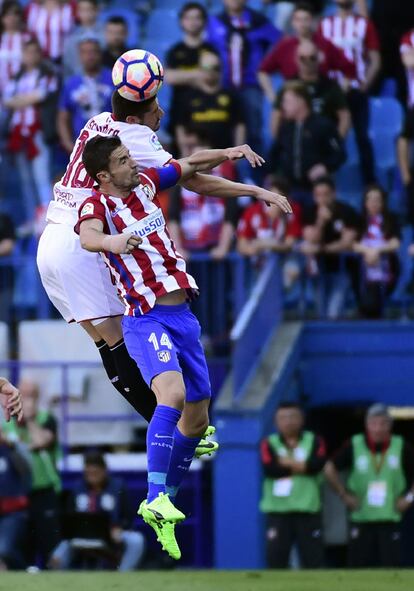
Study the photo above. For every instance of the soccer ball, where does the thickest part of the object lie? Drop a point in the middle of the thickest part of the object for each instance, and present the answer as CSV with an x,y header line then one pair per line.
x,y
137,75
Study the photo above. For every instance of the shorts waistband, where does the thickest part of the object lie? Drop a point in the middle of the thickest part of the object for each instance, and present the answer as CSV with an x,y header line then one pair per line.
x,y
170,309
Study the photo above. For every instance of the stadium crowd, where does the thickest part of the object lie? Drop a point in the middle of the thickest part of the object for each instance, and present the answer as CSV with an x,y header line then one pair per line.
x,y
296,81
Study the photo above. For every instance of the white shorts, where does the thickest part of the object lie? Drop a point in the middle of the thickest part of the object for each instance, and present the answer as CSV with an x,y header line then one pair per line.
x,y
77,282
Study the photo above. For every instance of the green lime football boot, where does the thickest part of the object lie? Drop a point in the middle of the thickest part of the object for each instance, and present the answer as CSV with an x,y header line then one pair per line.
x,y
206,447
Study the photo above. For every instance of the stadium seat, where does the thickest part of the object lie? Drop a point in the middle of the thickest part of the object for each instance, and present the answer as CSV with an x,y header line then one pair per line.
x,y
386,113
176,4
130,17
383,143
348,179
352,198
389,88
351,148
163,25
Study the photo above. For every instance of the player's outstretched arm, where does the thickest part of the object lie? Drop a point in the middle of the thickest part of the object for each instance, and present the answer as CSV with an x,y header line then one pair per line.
x,y
207,159
93,238
207,184
10,400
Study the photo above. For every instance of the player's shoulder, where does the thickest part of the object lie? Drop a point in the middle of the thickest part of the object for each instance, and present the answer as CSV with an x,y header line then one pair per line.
x,y
140,136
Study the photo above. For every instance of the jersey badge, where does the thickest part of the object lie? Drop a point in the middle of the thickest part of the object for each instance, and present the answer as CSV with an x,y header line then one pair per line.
x,y
164,356
87,209
155,142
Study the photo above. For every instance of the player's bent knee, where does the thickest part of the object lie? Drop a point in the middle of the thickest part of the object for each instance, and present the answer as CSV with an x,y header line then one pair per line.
x,y
169,389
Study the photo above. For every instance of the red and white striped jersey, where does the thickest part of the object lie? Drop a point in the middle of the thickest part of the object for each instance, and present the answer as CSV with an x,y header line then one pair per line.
x,y
155,268
75,185
29,82
407,44
11,48
356,36
50,28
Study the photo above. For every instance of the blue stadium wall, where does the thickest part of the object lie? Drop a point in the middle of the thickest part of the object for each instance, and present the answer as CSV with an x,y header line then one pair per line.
x,y
329,364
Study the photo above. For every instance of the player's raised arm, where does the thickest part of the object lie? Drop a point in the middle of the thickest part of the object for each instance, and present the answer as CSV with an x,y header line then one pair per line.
x,y
207,159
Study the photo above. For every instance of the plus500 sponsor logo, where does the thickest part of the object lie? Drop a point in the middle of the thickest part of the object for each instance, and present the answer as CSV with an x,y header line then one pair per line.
x,y
148,225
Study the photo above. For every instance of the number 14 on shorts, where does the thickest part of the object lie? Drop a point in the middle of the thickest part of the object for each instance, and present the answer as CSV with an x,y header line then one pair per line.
x,y
164,341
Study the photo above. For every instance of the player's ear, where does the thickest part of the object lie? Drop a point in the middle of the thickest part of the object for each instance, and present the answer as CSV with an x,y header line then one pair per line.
x,y
133,119
103,176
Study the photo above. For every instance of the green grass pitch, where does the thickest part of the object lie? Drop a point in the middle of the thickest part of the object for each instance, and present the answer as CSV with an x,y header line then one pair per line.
x,y
402,580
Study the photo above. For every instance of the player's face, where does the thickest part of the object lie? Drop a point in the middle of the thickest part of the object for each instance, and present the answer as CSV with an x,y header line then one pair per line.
x,y
289,421
323,195
374,203
115,35
123,170
378,428
307,58
192,21
152,117
302,22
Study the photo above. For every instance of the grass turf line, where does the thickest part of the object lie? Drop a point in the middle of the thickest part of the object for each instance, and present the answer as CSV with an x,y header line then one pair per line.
x,y
380,580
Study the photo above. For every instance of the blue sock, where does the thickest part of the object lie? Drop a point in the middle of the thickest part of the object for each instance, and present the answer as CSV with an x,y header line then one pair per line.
x,y
160,436
180,461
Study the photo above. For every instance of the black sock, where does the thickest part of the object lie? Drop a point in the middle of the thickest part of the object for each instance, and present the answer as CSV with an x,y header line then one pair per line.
x,y
140,396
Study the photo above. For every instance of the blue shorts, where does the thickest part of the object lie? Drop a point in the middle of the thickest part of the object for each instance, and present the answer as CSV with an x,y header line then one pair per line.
x,y
168,339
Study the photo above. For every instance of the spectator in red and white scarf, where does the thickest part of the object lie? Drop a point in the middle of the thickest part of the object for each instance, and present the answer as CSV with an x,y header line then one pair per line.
x,y
12,38
24,96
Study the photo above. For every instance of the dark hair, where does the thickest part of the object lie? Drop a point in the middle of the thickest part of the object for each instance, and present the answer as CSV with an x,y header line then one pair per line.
x,y
204,137
94,458
97,153
324,180
7,7
281,182
289,404
386,225
94,2
123,108
305,6
117,20
193,6
298,88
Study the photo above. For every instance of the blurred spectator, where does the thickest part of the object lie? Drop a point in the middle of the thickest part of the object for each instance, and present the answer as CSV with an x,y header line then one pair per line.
x,y
292,459
199,223
378,490
326,95
116,36
38,431
210,109
358,38
84,95
26,96
242,36
392,20
12,39
15,474
406,165
183,70
378,246
308,145
101,494
282,57
7,242
407,57
50,21
330,230
88,27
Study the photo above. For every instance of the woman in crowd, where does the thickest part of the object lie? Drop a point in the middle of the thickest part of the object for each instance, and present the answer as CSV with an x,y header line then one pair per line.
x,y
378,246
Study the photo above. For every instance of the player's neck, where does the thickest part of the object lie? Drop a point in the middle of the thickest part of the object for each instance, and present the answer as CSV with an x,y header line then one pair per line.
x,y
193,40
114,191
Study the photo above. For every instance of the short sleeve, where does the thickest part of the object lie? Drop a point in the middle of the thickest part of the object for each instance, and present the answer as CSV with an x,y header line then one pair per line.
x,y
90,209
144,146
64,98
371,37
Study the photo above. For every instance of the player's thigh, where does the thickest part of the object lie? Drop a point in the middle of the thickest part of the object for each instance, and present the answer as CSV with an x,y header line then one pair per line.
x,y
110,329
151,346
75,277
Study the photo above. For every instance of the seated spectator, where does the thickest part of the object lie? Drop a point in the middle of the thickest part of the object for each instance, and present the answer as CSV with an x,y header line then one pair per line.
x,y
282,57
407,57
404,149
38,431
50,22
84,95
326,95
183,70
242,36
292,460
15,474
199,223
25,96
88,27
379,489
308,145
330,230
357,37
210,109
116,36
378,246
7,242
12,39
101,494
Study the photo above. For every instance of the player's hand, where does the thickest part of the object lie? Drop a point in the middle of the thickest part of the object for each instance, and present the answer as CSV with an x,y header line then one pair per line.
x,y
10,400
274,198
351,501
245,151
122,243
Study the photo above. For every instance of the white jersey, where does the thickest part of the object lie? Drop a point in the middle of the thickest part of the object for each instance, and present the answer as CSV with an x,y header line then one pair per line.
x,y
75,186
